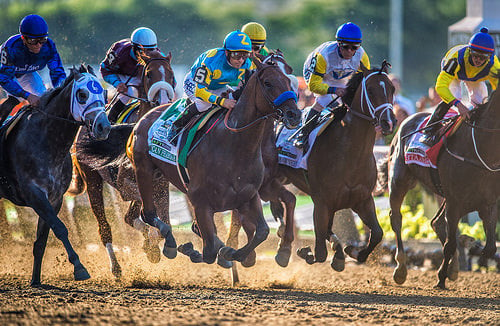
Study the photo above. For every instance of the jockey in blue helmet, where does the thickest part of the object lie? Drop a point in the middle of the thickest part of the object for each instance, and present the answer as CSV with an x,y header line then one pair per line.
x,y
21,56
327,70
473,64
212,73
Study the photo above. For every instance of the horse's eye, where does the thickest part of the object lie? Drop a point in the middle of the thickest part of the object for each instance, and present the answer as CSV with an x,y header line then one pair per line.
x,y
82,95
268,84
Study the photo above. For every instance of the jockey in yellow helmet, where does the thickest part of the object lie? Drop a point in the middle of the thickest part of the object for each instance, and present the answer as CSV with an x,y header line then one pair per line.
x,y
258,35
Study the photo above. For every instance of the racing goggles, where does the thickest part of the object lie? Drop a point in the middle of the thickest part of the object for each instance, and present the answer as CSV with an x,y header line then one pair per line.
x,y
238,55
257,47
34,41
350,46
479,55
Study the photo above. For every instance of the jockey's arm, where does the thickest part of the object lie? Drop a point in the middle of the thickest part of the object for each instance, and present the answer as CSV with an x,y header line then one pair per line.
x,y
444,79
494,74
202,79
365,60
57,74
8,80
316,84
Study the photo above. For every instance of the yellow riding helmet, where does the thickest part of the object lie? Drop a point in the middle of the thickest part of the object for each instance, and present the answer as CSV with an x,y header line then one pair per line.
x,y
256,31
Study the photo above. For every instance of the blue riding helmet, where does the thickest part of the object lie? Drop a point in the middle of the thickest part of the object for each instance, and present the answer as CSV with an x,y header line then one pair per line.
x,y
349,32
33,26
237,41
482,41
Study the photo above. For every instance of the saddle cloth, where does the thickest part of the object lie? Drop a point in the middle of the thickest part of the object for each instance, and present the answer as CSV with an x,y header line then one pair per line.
x,y
129,109
420,154
292,156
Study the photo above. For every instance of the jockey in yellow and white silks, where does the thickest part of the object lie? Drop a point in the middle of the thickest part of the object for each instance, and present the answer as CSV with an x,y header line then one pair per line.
x,y
212,74
327,70
472,64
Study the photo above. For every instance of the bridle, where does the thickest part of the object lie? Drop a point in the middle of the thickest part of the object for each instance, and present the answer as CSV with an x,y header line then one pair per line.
x,y
276,104
370,113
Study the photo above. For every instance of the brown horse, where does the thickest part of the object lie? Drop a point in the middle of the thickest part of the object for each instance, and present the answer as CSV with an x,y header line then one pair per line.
x,y
226,169
158,82
469,180
341,169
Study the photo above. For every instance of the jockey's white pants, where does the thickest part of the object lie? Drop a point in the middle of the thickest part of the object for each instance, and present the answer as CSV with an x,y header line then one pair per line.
x,y
133,85
31,82
478,92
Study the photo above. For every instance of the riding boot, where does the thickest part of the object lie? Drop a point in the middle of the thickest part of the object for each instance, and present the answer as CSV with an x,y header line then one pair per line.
x,y
189,112
7,107
115,111
302,140
429,136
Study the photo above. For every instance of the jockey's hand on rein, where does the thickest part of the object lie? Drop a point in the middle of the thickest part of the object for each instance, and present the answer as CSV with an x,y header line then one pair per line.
x,y
121,88
33,100
228,103
462,109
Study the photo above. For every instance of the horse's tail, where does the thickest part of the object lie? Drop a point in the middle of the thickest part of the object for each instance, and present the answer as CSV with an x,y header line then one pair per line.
x,y
100,153
77,185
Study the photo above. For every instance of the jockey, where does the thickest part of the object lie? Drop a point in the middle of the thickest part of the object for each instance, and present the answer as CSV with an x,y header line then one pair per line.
x,y
122,66
21,56
472,63
327,70
258,35
210,76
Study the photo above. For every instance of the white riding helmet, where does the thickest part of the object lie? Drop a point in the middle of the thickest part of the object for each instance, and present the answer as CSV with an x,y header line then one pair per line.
x,y
144,37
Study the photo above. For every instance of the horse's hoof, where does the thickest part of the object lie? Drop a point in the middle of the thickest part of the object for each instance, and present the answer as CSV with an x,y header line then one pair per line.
x,y
306,254
338,265
352,251
400,274
250,260
169,252
440,286
196,257
283,256
35,284
224,263
117,271
227,253
81,273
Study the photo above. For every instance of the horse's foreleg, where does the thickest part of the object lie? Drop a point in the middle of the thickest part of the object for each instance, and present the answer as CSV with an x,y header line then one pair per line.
x,y
232,241
366,212
321,216
438,222
253,212
400,272
489,217
286,238
450,245
206,226
42,233
38,201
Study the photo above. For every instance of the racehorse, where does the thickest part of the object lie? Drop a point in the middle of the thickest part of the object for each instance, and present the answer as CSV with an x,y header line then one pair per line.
x,y
36,162
226,169
157,89
341,169
469,180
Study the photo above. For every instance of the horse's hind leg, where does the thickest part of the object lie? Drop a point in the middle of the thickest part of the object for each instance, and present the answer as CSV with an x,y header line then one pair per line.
x,y
94,191
232,242
42,233
367,213
321,217
450,247
489,217
144,177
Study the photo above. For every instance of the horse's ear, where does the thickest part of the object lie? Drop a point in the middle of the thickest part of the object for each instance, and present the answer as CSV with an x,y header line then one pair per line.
x,y
169,56
90,70
257,62
82,68
385,66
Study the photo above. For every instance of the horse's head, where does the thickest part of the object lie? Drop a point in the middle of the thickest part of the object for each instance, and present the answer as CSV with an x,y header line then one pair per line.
x,y
376,97
278,58
158,78
87,102
276,88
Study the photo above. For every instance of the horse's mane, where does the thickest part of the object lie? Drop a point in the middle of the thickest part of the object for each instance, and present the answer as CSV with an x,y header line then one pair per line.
x,y
50,94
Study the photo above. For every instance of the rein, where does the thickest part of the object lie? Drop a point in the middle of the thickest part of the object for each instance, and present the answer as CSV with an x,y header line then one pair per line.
x,y
55,117
276,104
385,107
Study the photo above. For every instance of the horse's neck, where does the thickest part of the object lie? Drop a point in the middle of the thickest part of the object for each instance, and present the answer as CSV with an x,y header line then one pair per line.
x,y
358,128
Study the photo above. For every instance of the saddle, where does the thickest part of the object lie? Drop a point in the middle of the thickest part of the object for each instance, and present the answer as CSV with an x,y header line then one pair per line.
x,y
128,111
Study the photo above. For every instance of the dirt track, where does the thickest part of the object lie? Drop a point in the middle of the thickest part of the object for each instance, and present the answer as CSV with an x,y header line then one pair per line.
x,y
179,292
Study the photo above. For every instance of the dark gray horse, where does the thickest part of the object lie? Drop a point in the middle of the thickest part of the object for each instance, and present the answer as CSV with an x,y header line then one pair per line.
x,y
469,175
36,164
